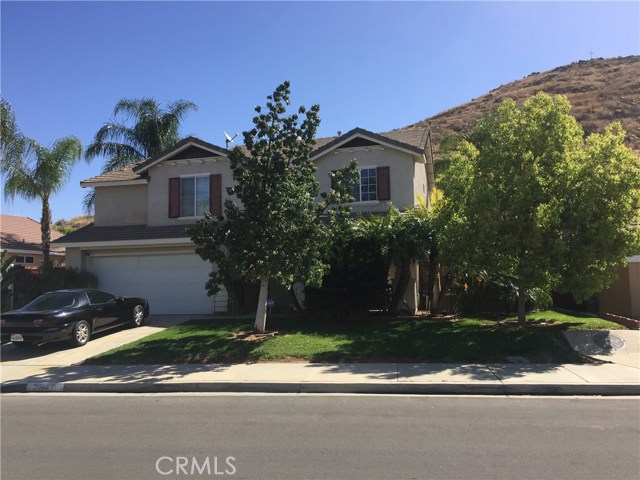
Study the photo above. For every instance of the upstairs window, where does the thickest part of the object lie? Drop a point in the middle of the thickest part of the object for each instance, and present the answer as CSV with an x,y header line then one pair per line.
x,y
373,185
366,190
194,196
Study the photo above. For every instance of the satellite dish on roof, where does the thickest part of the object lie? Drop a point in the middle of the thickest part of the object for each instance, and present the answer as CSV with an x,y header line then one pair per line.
x,y
229,138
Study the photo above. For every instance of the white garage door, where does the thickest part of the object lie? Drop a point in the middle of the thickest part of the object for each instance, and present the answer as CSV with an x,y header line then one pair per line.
x,y
172,283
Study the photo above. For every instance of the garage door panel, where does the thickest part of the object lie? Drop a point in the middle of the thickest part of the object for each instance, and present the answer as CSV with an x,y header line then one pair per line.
x,y
173,283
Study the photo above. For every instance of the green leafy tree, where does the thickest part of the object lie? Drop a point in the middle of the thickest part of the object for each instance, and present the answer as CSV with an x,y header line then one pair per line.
x,y
407,237
411,240
276,229
529,200
141,128
39,173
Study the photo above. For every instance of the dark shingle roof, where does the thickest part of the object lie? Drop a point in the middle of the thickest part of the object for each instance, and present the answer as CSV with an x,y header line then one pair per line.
x,y
122,175
409,138
91,233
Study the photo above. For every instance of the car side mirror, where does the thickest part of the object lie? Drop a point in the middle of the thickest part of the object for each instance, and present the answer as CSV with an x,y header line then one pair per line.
x,y
119,299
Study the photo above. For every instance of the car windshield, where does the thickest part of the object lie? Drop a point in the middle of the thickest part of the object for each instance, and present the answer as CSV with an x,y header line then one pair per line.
x,y
54,301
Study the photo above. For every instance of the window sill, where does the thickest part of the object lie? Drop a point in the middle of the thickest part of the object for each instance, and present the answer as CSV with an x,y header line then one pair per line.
x,y
367,202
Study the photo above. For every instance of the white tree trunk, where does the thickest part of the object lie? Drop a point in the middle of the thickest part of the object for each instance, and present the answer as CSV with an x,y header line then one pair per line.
x,y
261,313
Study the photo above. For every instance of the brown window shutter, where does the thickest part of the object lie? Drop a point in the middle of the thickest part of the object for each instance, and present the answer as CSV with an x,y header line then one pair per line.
x,y
215,195
174,197
384,187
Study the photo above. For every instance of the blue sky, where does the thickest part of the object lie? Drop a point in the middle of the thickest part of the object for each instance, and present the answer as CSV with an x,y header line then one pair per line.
x,y
375,65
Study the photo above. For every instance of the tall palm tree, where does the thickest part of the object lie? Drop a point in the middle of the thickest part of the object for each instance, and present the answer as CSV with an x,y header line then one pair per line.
x,y
12,142
153,129
39,173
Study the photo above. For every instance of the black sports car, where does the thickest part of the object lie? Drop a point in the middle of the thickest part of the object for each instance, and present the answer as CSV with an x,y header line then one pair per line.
x,y
72,315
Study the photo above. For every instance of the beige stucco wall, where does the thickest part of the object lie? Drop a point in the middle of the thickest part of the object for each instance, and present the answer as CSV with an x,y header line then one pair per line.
x,y
74,259
121,205
403,171
623,296
158,193
419,181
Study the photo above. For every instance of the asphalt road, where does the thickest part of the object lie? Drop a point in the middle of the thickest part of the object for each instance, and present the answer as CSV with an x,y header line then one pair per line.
x,y
65,436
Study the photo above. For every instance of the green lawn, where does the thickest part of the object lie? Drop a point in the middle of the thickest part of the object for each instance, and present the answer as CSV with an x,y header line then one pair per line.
x,y
400,339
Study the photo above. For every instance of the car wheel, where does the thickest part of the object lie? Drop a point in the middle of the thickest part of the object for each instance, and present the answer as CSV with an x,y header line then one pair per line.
x,y
81,334
138,316
23,344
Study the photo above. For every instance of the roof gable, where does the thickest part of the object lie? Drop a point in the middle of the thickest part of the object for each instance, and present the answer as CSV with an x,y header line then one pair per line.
x,y
190,147
359,137
359,142
193,152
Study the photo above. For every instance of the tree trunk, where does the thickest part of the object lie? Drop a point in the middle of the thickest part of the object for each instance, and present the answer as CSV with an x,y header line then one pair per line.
x,y
261,313
432,294
45,229
294,300
521,305
403,275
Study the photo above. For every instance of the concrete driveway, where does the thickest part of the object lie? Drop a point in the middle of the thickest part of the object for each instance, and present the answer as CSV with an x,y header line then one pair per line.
x,y
17,363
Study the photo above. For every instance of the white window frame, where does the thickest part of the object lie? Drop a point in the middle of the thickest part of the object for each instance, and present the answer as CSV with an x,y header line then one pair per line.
x,y
195,176
359,185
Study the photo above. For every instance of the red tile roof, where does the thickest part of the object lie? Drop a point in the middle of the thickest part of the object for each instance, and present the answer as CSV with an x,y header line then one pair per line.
x,y
22,233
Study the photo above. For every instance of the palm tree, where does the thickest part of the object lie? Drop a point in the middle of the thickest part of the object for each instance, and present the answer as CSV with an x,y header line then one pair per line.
x,y
39,173
12,142
153,130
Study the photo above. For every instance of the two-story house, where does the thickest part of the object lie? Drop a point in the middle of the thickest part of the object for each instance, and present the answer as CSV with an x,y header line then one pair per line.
x,y
138,246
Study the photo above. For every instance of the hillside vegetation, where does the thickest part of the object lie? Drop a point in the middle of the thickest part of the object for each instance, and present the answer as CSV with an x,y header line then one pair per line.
x,y
68,226
600,91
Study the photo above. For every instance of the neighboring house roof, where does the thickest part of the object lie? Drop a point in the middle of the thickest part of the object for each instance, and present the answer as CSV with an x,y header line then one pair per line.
x,y
412,139
128,233
23,234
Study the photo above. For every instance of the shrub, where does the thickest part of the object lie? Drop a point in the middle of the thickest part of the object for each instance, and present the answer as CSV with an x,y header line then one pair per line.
x,y
492,295
60,278
357,280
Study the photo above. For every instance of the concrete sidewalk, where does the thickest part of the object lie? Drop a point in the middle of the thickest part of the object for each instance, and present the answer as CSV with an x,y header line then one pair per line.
x,y
405,378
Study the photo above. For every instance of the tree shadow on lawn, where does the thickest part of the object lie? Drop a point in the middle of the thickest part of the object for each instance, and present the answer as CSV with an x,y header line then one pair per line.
x,y
363,341
454,342
193,342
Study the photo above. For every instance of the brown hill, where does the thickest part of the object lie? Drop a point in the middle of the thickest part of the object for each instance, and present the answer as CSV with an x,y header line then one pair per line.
x,y
600,91
68,226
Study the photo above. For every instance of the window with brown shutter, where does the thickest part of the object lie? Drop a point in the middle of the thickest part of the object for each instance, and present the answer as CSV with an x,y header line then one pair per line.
x,y
174,197
215,195
384,186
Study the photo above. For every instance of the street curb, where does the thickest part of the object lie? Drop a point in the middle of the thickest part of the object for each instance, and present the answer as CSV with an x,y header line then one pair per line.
x,y
332,387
